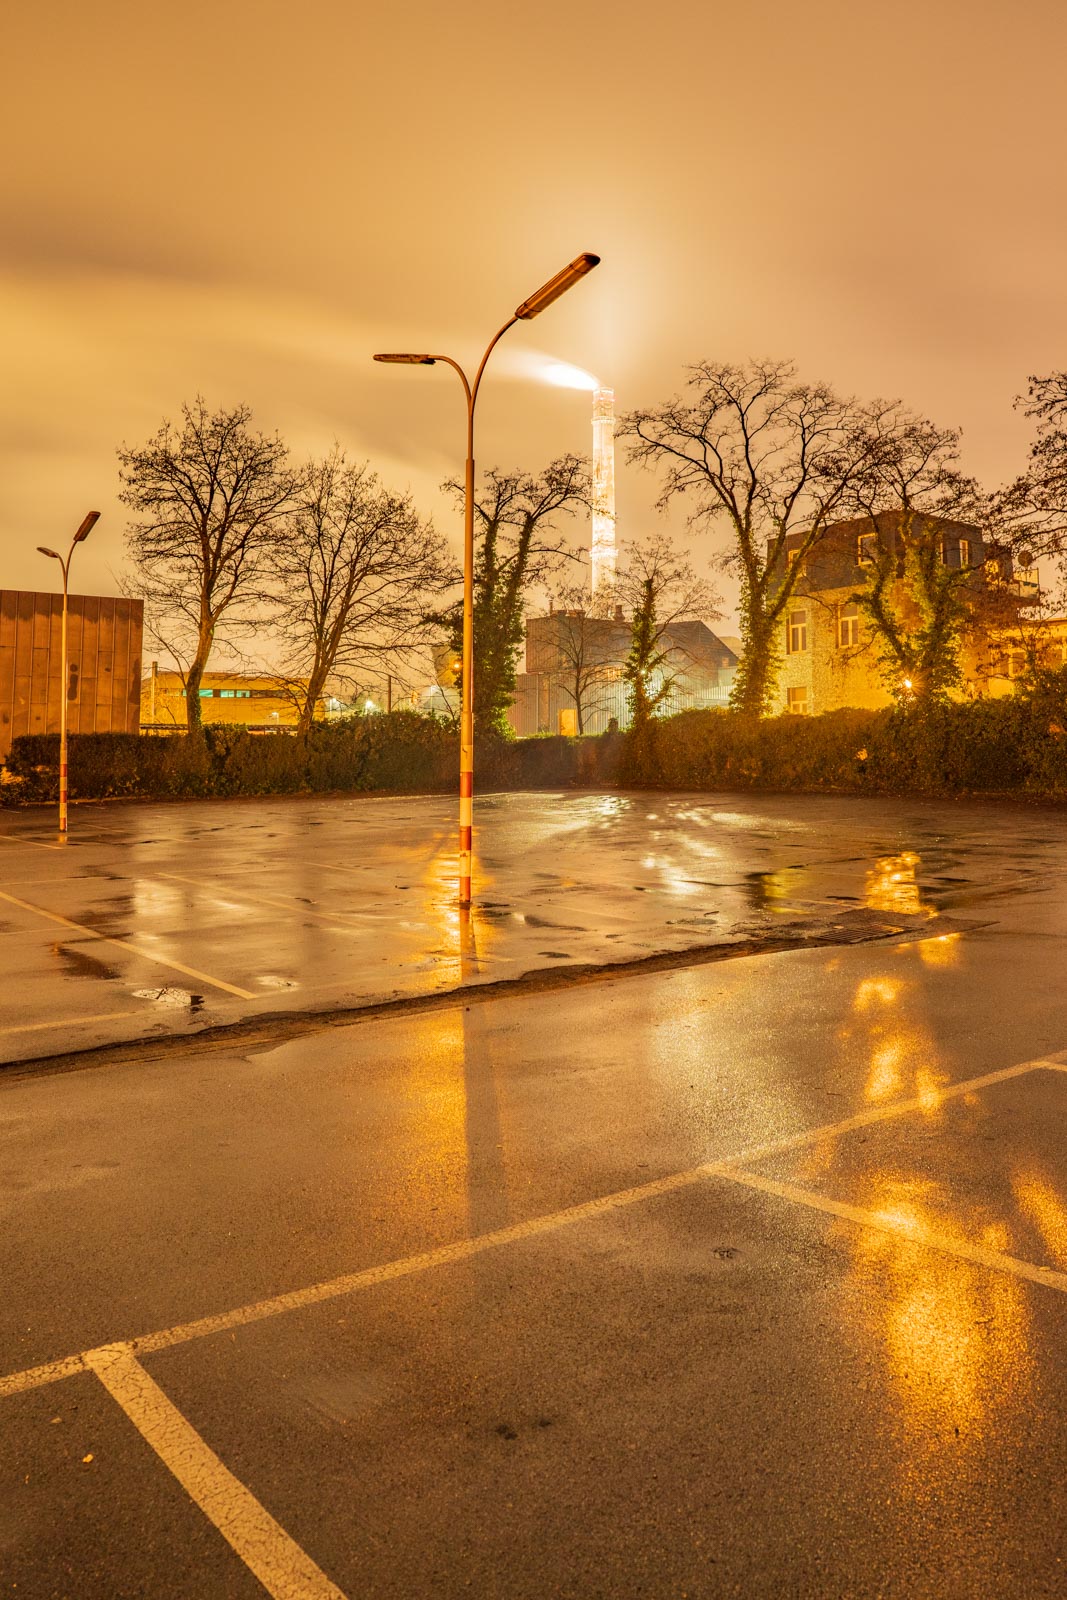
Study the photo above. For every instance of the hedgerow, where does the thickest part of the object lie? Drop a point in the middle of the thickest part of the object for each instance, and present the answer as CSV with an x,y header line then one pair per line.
x,y
1015,745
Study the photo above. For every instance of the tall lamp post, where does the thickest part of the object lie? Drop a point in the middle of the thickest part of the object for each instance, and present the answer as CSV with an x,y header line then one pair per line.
x,y
529,309
82,534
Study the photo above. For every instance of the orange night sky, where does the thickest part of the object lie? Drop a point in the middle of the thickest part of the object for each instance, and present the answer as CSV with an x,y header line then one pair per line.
x,y
247,200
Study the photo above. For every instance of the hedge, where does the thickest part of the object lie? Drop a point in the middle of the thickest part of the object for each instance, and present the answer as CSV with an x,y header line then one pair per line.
x,y
1016,745
398,751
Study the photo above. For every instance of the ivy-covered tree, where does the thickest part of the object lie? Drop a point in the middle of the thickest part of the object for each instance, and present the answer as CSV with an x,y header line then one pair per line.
x,y
660,587
930,578
772,458
517,543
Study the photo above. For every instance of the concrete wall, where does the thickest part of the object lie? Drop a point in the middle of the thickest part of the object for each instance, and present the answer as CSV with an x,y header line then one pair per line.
x,y
103,687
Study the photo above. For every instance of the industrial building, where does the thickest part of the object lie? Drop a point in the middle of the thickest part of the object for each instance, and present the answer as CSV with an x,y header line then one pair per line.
x,y
103,687
262,703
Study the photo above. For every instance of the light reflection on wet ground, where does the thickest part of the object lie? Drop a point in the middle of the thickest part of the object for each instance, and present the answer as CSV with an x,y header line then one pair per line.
x,y
320,902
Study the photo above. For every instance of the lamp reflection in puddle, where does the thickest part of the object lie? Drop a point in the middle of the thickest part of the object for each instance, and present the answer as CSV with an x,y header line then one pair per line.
x,y
892,885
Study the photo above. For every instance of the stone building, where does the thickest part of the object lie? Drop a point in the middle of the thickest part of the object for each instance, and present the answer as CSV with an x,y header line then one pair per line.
x,y
565,644
829,651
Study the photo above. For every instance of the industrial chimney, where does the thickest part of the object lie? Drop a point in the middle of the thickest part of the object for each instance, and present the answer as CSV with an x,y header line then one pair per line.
x,y
603,548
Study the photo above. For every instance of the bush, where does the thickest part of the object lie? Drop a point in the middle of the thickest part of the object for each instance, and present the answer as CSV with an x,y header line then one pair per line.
x,y
1005,746
1009,746
399,751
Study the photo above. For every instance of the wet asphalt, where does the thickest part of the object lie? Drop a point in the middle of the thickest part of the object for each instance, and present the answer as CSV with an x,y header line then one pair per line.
x,y
833,1367
155,919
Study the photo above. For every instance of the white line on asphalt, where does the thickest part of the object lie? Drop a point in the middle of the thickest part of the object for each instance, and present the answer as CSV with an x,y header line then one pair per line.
x,y
66,1022
464,1249
387,1272
284,1570
898,1108
10,838
295,906
121,944
913,1230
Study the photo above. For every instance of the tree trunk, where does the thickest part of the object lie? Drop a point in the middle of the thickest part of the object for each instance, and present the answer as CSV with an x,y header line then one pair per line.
x,y
754,681
316,684
194,720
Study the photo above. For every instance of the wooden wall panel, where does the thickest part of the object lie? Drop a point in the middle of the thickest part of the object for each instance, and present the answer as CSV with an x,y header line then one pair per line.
x,y
104,640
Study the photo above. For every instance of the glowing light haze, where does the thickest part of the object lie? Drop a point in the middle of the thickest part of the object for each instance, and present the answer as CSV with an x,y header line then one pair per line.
x,y
564,376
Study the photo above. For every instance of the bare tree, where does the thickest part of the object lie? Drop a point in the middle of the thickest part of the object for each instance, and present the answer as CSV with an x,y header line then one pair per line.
x,y
772,457
583,647
518,543
930,580
1032,511
355,572
661,589
207,497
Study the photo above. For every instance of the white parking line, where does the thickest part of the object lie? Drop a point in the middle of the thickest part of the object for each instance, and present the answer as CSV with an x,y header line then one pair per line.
x,y
68,1022
533,1227
297,907
121,944
284,1570
912,1229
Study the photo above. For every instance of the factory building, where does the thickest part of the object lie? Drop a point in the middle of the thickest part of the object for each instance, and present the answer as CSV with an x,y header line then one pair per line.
x,y
103,687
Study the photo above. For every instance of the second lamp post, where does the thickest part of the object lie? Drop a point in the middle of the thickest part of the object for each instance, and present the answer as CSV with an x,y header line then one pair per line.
x,y
530,308
88,523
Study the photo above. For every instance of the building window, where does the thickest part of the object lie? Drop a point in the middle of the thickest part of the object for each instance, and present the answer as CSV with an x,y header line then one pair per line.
x,y
797,702
796,638
956,553
848,626
866,549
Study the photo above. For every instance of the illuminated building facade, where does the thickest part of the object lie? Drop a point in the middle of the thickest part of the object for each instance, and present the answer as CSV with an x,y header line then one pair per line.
x,y
829,651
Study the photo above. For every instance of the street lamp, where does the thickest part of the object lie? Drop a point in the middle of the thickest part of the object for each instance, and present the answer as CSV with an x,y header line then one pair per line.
x,y
82,534
532,307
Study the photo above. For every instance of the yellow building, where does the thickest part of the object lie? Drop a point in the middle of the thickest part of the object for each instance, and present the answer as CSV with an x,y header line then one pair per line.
x,y
1013,654
829,652
261,703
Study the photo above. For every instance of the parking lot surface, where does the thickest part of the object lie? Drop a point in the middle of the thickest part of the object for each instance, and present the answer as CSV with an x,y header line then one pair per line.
x,y
744,1279
160,919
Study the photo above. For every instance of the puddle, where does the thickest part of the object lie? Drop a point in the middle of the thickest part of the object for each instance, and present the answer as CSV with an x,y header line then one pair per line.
x,y
174,999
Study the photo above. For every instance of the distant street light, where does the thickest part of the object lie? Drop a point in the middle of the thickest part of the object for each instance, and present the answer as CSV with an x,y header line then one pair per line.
x,y
537,302
82,534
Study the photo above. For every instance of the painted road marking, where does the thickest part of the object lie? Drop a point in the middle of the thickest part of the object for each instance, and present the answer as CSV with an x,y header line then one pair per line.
x,y
897,1108
10,838
915,1231
465,1249
296,906
284,1570
68,1022
121,944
